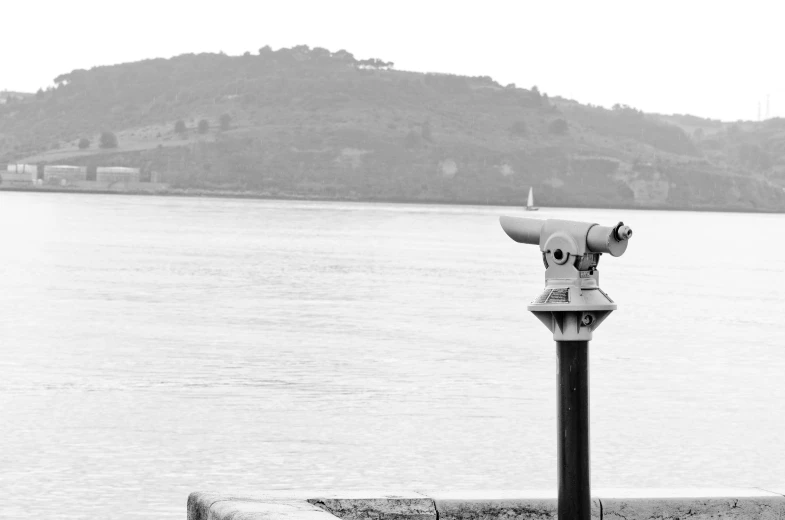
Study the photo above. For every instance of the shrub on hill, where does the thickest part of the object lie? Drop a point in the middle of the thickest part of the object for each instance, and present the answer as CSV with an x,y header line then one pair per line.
x,y
108,140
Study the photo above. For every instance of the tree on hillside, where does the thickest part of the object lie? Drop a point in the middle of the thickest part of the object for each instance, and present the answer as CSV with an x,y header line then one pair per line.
x,y
108,140
518,128
226,121
754,157
535,97
734,130
627,111
558,127
320,53
344,55
204,126
179,126
83,143
265,50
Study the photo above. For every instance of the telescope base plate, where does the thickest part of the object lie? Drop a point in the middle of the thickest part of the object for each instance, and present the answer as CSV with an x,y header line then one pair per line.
x,y
572,325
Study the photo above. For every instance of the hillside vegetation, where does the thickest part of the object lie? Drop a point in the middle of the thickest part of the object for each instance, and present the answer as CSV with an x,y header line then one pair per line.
x,y
307,123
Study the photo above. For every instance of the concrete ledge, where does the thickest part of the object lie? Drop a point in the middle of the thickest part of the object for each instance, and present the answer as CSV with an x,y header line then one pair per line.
x,y
500,504
701,504
299,505
614,504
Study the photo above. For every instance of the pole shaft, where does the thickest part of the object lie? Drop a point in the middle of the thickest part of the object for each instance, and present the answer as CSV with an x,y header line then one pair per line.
x,y
573,429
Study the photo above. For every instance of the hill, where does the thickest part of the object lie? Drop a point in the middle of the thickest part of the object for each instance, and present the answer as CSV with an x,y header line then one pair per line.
x,y
304,122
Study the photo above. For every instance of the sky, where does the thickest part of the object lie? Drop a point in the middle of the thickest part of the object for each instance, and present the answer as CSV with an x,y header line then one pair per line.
x,y
713,59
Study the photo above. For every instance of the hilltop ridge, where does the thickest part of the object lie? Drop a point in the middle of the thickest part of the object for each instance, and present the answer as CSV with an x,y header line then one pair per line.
x,y
308,123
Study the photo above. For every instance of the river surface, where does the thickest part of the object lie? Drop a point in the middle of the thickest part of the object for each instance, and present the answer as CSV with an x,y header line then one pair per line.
x,y
151,347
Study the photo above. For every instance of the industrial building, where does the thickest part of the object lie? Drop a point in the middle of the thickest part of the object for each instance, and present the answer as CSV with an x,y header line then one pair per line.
x,y
79,177
117,174
63,175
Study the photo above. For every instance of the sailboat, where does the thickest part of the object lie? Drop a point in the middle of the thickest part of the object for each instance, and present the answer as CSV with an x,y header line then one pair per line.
x,y
530,201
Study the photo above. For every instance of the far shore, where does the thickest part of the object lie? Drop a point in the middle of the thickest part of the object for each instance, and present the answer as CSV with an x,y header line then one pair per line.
x,y
228,194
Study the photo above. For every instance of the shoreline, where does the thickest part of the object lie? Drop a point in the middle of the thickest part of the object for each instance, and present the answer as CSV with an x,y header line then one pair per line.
x,y
218,194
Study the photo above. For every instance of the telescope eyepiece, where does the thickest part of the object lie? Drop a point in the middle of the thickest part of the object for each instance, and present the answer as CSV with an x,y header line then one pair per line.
x,y
622,232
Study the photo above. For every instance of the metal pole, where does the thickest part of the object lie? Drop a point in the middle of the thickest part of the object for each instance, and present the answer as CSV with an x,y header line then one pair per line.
x,y
573,429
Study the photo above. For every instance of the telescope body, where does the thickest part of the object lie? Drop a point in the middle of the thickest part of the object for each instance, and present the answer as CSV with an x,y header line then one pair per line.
x,y
588,237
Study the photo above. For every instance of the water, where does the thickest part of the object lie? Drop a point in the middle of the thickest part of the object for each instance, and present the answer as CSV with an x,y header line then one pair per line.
x,y
156,346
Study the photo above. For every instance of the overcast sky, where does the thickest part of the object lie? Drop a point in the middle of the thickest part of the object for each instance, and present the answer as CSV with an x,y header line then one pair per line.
x,y
709,58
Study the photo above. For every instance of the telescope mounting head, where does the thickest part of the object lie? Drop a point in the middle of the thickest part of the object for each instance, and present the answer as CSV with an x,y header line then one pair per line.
x,y
572,304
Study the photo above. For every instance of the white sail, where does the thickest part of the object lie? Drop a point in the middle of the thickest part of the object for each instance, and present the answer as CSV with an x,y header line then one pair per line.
x,y
530,202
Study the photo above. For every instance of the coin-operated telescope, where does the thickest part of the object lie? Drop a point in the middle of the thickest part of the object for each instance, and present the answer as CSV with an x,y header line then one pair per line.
x,y
572,306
